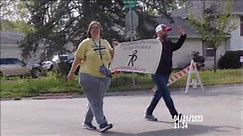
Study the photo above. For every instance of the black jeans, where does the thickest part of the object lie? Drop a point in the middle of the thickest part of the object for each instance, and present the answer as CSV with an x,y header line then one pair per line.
x,y
161,91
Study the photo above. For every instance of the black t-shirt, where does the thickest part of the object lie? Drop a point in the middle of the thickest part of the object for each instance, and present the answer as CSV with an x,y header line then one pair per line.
x,y
168,47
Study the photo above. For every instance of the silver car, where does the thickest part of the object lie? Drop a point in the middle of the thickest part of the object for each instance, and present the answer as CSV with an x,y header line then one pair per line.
x,y
14,67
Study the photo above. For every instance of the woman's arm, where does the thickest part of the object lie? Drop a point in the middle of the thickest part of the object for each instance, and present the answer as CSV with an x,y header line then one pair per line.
x,y
112,53
76,63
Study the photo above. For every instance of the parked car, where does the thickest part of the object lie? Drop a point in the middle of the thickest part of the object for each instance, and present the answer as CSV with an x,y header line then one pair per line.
x,y
38,70
14,67
51,64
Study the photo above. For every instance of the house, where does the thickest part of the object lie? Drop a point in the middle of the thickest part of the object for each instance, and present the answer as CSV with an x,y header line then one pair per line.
x,y
233,43
10,42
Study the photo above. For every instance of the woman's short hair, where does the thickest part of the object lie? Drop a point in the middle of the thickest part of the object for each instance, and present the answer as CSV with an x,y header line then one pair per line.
x,y
90,25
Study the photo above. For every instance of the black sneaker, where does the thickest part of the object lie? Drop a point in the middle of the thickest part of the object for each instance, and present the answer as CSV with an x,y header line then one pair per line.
x,y
150,118
89,126
105,127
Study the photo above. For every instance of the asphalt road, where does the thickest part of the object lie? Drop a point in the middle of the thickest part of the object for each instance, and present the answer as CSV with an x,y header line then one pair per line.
x,y
221,108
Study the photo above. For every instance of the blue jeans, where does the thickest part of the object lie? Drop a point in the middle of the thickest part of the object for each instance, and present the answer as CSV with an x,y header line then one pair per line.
x,y
95,89
161,91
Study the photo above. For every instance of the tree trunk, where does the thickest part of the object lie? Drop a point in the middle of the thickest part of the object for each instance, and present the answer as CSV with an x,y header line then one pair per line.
x,y
215,63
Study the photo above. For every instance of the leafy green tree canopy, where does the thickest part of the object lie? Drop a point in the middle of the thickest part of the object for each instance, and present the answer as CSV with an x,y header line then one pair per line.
x,y
58,22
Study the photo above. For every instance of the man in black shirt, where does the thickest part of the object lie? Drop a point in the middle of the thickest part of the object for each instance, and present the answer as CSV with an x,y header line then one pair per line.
x,y
160,78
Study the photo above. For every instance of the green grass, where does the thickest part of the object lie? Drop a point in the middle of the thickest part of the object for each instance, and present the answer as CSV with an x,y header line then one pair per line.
x,y
33,87
221,77
17,87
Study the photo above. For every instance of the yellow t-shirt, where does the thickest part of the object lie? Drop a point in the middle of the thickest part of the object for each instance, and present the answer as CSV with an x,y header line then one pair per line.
x,y
89,53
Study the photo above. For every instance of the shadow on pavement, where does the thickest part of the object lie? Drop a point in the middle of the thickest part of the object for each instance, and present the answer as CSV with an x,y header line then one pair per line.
x,y
168,122
191,131
113,133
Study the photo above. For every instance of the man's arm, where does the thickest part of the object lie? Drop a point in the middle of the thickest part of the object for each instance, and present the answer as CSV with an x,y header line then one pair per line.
x,y
181,40
178,44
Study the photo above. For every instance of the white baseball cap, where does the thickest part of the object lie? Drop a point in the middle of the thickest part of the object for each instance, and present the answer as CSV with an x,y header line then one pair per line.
x,y
162,27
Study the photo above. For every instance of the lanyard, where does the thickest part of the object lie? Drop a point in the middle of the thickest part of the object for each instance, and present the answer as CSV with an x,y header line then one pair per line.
x,y
99,48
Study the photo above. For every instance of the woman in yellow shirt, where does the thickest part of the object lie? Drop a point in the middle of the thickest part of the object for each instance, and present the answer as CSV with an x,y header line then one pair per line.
x,y
93,55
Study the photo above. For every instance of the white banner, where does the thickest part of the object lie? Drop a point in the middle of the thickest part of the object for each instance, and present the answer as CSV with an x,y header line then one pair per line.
x,y
141,56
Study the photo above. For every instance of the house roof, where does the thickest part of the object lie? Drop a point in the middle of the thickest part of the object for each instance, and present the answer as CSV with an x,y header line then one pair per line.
x,y
238,7
11,37
191,33
182,12
237,10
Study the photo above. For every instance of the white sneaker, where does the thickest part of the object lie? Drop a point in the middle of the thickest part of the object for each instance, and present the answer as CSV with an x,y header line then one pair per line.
x,y
89,126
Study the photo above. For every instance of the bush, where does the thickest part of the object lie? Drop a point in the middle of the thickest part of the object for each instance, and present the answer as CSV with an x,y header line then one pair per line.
x,y
230,60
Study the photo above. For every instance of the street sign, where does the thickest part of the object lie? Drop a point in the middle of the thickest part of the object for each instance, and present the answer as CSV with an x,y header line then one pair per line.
x,y
131,20
130,3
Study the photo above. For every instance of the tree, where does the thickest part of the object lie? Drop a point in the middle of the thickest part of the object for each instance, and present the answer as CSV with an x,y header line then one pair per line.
x,y
148,9
56,23
214,27
14,16
8,7
162,7
15,26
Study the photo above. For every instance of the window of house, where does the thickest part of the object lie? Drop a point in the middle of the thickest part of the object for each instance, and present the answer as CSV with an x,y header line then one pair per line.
x,y
209,52
241,26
